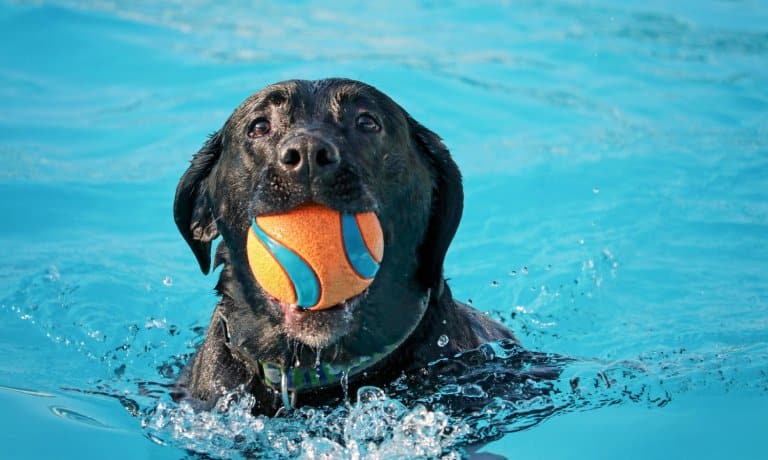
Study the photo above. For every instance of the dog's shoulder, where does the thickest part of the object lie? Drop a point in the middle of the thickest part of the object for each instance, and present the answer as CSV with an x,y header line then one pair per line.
x,y
449,327
482,326
213,370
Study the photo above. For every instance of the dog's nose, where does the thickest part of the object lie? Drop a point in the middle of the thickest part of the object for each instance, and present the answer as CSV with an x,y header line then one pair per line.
x,y
309,152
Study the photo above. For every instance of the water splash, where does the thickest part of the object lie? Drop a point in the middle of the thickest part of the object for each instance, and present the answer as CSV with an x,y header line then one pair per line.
x,y
474,397
434,412
375,426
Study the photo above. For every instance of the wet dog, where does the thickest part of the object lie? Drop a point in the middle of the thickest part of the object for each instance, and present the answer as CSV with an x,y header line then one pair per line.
x,y
347,146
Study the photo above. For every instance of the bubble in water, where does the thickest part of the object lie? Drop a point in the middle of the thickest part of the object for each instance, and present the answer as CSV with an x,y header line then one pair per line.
x,y
168,281
155,323
471,390
524,270
97,335
321,448
494,283
369,394
442,341
451,389
595,190
52,274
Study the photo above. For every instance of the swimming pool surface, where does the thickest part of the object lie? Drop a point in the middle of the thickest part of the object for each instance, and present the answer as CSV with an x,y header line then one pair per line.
x,y
615,157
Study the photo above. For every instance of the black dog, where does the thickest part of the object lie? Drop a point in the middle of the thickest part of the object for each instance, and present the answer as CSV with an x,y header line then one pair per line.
x,y
345,145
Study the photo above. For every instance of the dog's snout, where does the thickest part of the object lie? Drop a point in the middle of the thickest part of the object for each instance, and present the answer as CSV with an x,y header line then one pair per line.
x,y
311,153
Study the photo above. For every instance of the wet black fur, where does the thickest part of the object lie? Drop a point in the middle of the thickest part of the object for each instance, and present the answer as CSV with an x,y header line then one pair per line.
x,y
404,173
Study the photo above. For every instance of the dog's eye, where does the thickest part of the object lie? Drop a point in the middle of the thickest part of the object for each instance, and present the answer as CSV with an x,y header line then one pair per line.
x,y
367,123
259,127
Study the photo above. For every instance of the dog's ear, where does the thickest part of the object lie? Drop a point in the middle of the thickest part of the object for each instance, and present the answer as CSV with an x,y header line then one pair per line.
x,y
447,205
192,209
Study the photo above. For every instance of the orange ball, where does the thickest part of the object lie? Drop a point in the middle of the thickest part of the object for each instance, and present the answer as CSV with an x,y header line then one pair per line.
x,y
313,256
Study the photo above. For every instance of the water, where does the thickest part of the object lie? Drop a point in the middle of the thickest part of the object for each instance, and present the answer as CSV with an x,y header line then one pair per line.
x,y
615,162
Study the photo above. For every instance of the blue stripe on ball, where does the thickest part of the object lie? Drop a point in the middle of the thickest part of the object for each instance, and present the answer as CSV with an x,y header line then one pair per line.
x,y
304,280
357,252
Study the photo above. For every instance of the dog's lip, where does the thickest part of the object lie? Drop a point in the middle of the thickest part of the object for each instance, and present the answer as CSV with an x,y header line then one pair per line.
x,y
342,208
288,310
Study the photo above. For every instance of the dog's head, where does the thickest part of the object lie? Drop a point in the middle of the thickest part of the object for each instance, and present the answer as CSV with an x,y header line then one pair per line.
x,y
347,146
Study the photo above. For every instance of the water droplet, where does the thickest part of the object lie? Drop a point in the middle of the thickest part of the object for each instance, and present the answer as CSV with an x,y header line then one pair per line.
x,y
153,323
52,274
595,190
451,389
581,241
369,394
549,267
494,283
524,270
168,281
344,381
96,335
442,341
472,391
513,273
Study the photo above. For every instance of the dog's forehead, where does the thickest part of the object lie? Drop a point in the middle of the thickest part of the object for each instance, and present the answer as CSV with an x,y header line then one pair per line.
x,y
319,96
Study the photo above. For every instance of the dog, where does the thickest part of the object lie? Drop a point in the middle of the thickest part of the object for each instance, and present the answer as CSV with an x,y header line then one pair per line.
x,y
347,146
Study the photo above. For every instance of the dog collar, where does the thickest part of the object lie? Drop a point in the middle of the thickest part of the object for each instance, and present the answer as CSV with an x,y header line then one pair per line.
x,y
289,381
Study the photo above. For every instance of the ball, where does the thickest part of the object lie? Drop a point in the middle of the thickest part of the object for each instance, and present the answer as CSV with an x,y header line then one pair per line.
x,y
315,257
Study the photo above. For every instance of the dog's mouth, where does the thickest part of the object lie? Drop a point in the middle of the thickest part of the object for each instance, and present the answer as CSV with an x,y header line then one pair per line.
x,y
319,328
350,303
314,257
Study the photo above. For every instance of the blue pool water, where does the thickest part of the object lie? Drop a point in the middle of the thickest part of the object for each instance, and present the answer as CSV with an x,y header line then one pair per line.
x,y
615,157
